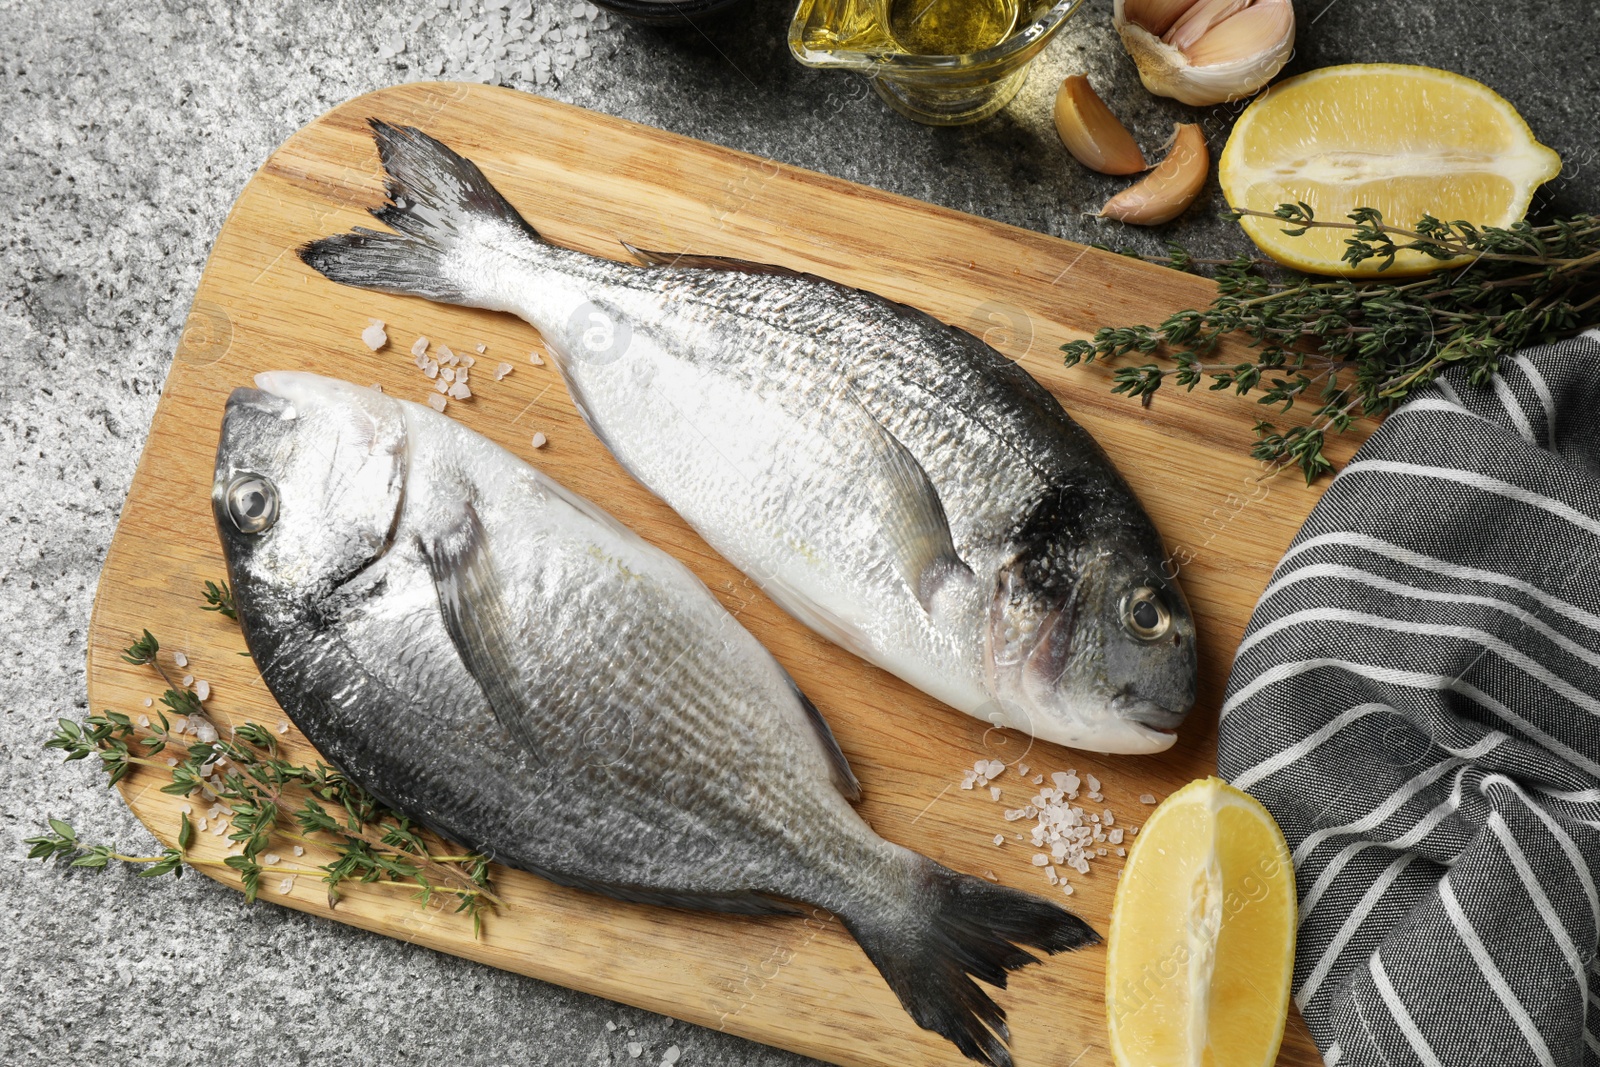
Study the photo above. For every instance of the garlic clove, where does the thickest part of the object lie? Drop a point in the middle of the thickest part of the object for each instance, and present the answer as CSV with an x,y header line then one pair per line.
x,y
1164,193
1095,137
1239,37
1198,19
1155,15
1229,52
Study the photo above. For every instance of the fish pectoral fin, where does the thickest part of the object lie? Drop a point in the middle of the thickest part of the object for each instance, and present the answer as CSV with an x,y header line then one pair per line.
x,y
479,624
648,258
839,772
915,520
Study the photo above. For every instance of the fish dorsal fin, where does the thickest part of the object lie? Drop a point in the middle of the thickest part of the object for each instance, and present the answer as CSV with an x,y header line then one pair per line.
x,y
705,262
914,518
838,767
480,625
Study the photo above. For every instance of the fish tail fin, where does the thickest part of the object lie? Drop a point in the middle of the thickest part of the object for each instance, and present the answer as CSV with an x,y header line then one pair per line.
x,y
959,928
438,203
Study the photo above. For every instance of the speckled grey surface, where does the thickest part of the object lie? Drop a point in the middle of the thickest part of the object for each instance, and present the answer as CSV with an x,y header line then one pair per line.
x,y
128,129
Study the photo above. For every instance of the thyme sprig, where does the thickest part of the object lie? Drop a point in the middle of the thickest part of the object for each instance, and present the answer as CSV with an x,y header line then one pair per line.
x,y
1352,347
269,800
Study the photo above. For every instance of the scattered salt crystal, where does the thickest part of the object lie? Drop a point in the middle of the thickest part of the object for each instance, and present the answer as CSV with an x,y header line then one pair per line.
x,y
187,809
374,336
999,839
981,780
436,402
283,726
461,373
539,440
171,762
1050,873
144,720
1022,769
148,702
441,386
460,391
1094,783
419,346
219,829
536,359
430,370
203,823
206,732
482,349
1133,831
446,356
502,370
180,659
286,885
1040,859
1106,818
1115,836
1122,852
469,361
995,768
1066,887
669,1057
635,1049
188,679
448,374
967,783
376,388
271,859
610,1026
994,792
1099,852
1147,798
202,689
980,767
299,851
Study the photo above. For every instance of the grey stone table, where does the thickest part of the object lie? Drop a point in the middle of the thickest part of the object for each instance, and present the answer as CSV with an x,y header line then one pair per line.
x,y
129,128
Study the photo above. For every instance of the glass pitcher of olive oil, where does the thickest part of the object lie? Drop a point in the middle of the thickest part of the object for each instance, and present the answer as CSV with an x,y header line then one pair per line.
x,y
942,62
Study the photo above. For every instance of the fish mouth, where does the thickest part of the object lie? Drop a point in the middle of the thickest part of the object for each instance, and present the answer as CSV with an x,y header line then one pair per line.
x,y
1147,712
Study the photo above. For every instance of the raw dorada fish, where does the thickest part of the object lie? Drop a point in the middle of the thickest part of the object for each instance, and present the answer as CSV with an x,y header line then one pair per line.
x,y
893,482
502,661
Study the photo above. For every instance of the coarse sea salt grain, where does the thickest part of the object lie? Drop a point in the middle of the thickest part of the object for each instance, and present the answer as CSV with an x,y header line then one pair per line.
x,y
669,1057
536,359
999,839
374,336
148,702
469,361
502,370
299,851
1040,859
180,659
481,350
1147,798
419,346
144,720
436,402
459,391
286,885
994,792
188,679
635,1050
539,440
202,689
448,374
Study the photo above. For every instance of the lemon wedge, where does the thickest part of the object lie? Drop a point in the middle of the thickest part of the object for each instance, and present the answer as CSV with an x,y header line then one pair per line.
x,y
1201,949
1409,141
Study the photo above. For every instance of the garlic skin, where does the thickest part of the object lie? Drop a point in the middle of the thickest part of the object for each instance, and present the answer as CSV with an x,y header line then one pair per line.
x,y
1203,52
1164,193
1095,137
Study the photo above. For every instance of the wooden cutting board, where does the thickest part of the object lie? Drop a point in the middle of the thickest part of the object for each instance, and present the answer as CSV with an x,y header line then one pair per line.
x,y
590,182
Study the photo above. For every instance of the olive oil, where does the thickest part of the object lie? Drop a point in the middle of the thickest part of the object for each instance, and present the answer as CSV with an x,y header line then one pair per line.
x,y
951,27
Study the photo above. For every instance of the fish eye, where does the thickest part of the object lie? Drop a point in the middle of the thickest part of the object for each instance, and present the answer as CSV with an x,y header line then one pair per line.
x,y
252,503
1145,615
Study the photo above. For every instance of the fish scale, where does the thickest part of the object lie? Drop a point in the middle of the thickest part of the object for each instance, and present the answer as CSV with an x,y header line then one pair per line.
x,y
508,666
892,482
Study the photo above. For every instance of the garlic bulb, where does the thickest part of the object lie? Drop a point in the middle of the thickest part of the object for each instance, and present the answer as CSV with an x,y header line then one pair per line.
x,y
1203,52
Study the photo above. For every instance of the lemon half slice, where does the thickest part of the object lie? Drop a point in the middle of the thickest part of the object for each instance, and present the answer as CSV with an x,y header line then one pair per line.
x,y
1201,949
1409,141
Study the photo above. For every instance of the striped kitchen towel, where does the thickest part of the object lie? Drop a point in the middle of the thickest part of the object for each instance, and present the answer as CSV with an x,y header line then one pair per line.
x,y
1417,701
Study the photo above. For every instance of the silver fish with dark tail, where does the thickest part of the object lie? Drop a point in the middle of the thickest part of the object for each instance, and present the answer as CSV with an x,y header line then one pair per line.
x,y
893,482
503,662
